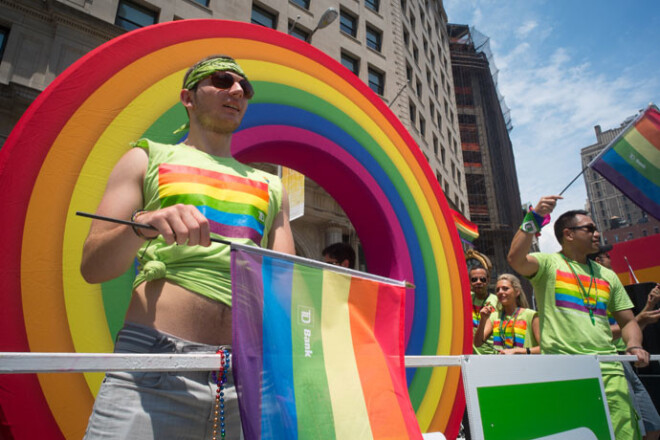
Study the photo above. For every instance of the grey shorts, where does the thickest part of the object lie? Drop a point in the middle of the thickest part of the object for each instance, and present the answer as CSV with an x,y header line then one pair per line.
x,y
160,405
641,401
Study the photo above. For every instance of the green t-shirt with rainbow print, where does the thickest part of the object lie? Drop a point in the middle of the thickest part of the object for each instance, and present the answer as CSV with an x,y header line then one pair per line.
x,y
565,321
477,305
515,330
240,203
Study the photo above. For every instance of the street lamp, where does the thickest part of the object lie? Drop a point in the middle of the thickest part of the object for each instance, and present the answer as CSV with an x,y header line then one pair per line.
x,y
328,17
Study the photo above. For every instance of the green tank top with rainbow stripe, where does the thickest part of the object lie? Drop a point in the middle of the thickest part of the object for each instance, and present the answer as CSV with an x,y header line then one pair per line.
x,y
240,203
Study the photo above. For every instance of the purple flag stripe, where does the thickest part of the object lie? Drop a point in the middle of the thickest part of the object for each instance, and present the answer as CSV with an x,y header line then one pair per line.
x,y
633,192
247,320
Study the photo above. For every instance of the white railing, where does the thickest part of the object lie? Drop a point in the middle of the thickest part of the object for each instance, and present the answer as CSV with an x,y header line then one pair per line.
x,y
14,363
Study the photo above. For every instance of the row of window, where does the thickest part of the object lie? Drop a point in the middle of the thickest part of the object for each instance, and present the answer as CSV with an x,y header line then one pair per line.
x,y
374,5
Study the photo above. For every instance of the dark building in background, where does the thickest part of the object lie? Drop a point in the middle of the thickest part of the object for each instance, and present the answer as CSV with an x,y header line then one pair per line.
x,y
484,124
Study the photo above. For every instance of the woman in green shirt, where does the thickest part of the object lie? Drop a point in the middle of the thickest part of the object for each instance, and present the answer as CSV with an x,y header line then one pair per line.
x,y
514,326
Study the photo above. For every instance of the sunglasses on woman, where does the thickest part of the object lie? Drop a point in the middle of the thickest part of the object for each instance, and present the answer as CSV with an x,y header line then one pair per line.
x,y
225,80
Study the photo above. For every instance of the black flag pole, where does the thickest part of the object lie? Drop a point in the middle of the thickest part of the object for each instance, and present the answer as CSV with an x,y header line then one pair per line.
x,y
134,224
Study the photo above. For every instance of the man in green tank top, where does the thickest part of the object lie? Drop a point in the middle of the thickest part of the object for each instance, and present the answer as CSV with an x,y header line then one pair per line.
x,y
181,299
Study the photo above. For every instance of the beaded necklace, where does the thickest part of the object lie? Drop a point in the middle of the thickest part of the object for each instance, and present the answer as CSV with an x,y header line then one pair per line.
x,y
220,379
513,329
585,293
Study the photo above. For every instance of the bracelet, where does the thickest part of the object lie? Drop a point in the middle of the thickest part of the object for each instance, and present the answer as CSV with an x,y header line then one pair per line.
x,y
137,230
528,350
634,347
529,224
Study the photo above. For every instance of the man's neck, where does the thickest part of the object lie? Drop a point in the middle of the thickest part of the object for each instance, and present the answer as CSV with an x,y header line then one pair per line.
x,y
482,295
216,144
571,254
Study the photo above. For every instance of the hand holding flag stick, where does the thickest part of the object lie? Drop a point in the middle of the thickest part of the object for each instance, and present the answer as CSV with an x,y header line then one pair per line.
x,y
134,224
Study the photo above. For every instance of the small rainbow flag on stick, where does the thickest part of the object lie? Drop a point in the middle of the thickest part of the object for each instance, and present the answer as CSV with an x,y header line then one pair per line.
x,y
318,353
631,162
467,230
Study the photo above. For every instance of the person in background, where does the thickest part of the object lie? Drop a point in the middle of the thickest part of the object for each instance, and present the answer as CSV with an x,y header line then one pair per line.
x,y
340,254
479,280
512,324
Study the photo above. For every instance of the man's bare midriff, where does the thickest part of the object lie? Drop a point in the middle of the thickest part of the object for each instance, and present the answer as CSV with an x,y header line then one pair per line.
x,y
172,309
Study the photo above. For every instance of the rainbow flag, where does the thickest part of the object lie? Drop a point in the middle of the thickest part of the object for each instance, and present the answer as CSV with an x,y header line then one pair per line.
x,y
467,230
631,162
318,354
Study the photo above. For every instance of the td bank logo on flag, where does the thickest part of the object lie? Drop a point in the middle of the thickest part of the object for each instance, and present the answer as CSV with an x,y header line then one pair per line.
x,y
306,319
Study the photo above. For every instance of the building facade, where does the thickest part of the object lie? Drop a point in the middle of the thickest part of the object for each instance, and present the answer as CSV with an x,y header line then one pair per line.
x,y
490,169
617,217
399,48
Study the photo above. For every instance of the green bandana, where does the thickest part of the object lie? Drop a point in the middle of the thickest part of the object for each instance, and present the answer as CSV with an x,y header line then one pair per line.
x,y
207,67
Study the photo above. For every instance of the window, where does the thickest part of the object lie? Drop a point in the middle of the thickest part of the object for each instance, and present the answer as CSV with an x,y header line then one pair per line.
x,y
263,17
133,16
419,88
376,81
350,62
409,73
347,23
467,119
4,34
202,2
406,37
435,145
415,53
298,32
374,38
422,125
372,4
302,3
412,113
412,21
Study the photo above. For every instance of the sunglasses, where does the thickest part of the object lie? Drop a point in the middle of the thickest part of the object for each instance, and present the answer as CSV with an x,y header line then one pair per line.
x,y
588,228
475,279
225,80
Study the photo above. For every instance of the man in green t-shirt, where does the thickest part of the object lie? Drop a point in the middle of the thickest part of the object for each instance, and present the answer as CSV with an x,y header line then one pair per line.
x,y
573,296
479,279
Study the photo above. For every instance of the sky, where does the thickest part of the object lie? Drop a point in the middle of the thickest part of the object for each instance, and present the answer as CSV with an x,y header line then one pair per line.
x,y
564,67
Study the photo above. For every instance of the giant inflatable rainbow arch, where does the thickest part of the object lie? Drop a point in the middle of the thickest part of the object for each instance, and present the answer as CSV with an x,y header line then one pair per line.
x,y
309,113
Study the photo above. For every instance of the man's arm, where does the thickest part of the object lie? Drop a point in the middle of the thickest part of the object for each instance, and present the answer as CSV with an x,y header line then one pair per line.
x,y
110,248
280,238
632,336
649,313
519,257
